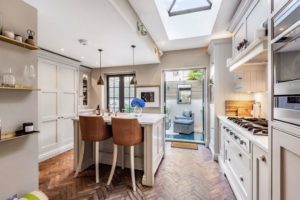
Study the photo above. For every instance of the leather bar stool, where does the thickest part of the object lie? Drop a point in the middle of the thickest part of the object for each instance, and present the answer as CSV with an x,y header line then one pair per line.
x,y
93,129
126,132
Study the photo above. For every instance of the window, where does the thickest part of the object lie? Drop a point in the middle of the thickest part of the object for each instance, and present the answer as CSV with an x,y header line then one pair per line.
x,y
181,7
119,92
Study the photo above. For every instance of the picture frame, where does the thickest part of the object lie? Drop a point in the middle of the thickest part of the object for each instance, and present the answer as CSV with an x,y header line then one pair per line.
x,y
150,94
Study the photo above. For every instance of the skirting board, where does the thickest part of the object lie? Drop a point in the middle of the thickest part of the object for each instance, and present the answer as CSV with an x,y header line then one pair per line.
x,y
55,152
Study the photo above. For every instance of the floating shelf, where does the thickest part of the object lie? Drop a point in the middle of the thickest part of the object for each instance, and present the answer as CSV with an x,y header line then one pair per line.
x,y
17,43
17,88
15,135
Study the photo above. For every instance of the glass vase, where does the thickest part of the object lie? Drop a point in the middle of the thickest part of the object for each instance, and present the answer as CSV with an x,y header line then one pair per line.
x,y
138,111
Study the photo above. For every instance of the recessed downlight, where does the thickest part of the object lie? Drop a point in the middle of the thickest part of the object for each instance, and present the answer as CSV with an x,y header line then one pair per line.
x,y
62,49
82,57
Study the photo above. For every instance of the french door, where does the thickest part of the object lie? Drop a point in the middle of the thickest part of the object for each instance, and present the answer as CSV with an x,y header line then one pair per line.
x,y
119,92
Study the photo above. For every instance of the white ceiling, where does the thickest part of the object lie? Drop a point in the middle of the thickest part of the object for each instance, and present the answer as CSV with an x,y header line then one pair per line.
x,y
185,31
62,22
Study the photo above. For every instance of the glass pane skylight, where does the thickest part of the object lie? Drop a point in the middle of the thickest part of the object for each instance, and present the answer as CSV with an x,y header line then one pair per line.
x,y
180,7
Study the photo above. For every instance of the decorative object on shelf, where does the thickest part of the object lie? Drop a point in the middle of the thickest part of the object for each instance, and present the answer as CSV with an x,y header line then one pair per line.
x,y
37,195
18,38
9,34
133,81
29,76
9,79
150,95
100,80
28,127
30,39
138,105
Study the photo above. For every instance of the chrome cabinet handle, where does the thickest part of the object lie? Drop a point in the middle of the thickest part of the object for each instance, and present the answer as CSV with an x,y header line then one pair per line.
x,y
242,142
229,159
263,158
242,179
240,155
228,141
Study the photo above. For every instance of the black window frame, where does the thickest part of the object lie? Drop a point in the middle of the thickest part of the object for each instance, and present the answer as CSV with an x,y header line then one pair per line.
x,y
121,90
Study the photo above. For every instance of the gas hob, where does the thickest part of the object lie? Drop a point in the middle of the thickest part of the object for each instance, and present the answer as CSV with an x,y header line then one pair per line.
x,y
256,126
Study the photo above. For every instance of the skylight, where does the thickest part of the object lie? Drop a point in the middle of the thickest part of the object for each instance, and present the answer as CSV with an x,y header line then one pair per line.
x,y
181,7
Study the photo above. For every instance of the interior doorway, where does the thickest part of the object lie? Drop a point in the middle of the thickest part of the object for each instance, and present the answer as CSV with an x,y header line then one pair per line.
x,y
184,104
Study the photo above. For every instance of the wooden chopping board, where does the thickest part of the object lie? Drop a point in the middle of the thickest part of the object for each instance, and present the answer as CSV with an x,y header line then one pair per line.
x,y
235,108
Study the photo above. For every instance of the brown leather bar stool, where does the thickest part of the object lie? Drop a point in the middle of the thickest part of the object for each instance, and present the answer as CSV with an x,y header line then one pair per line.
x,y
93,129
126,132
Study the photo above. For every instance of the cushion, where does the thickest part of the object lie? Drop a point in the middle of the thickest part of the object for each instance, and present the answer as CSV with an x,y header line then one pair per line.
x,y
184,121
187,113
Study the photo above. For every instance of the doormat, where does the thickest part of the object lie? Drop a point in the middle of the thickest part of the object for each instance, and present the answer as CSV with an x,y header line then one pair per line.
x,y
184,145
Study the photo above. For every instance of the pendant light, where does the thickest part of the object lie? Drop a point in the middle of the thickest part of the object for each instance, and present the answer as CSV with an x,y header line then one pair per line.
x,y
133,80
100,80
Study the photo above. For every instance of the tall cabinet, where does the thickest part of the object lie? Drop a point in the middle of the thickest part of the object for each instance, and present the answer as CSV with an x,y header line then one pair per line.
x,y
220,87
285,138
58,100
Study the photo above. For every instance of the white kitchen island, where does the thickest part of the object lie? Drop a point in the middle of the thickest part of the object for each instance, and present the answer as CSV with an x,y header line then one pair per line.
x,y
148,155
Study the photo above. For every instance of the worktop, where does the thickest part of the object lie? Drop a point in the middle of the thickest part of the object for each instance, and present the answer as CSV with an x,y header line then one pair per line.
x,y
148,155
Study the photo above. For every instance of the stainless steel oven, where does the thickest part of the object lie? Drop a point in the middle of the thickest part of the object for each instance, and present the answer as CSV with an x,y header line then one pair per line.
x,y
286,62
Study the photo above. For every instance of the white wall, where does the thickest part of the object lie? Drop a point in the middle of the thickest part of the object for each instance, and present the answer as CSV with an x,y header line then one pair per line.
x,y
18,158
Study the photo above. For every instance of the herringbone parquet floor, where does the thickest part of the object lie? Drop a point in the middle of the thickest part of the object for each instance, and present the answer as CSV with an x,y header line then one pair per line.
x,y
183,175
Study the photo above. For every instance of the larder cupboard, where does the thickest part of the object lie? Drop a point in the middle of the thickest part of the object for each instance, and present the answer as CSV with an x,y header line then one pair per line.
x,y
58,100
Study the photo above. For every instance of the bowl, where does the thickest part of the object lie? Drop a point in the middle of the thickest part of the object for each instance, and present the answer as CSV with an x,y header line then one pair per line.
x,y
9,34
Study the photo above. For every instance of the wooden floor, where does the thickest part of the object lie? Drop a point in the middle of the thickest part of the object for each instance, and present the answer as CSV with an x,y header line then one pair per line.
x,y
183,175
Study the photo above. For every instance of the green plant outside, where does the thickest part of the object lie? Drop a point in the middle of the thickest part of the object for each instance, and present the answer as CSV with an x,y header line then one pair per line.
x,y
195,75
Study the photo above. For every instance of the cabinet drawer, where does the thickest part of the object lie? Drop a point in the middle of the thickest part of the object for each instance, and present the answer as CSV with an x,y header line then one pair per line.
x,y
239,167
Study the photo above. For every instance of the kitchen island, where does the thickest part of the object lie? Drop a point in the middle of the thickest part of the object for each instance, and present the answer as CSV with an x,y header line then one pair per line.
x,y
148,155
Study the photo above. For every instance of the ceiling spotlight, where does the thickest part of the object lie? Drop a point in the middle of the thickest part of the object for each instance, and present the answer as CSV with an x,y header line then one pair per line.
x,y
82,57
62,49
83,42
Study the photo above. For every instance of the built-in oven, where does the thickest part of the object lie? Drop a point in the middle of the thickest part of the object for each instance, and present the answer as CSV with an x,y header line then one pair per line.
x,y
286,61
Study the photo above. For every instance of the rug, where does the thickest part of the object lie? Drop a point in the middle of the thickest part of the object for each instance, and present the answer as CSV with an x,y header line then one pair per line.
x,y
184,145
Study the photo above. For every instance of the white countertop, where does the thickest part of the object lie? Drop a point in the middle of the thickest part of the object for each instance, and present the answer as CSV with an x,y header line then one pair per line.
x,y
86,110
259,140
145,119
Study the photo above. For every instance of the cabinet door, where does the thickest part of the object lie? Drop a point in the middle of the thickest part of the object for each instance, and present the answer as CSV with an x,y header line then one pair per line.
x,y
48,106
285,166
260,174
238,36
68,101
255,18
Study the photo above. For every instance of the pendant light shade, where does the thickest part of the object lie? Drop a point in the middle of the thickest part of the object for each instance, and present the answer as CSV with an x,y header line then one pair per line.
x,y
133,81
100,80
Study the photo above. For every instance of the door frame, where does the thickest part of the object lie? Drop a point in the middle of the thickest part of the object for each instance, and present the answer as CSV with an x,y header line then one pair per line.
x,y
206,96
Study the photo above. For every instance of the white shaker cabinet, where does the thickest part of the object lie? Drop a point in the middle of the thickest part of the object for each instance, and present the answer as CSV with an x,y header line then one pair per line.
x,y
285,166
250,81
260,174
57,104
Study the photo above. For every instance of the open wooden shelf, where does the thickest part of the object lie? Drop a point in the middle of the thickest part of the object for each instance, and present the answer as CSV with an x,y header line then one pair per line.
x,y
17,43
17,88
15,135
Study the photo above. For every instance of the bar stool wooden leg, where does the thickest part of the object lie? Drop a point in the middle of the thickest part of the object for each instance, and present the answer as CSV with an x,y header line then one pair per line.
x,y
132,168
97,161
81,154
113,167
123,158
